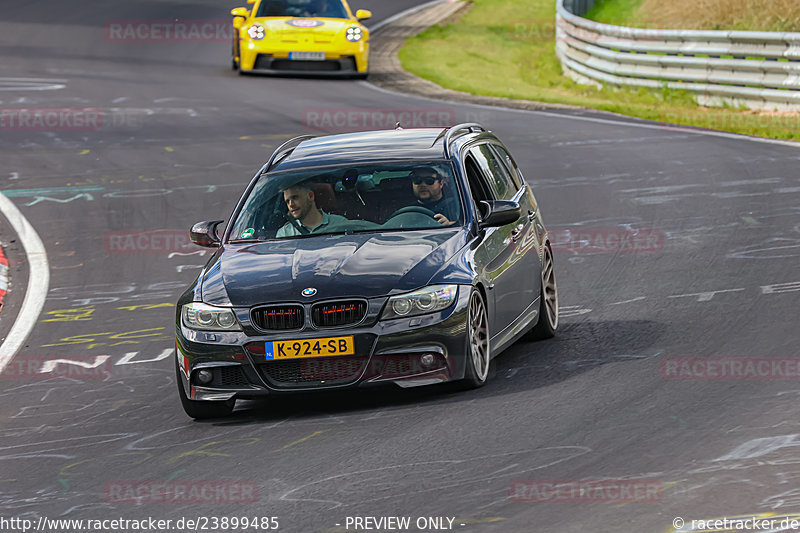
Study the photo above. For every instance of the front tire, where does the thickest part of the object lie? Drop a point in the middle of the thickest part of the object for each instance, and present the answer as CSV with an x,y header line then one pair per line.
x,y
201,410
478,355
546,327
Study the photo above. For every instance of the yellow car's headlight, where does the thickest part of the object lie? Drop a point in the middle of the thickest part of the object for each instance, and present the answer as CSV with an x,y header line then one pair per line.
x,y
256,32
354,34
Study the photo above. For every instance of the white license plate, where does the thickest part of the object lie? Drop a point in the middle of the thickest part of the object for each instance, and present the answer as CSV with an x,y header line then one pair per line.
x,y
307,56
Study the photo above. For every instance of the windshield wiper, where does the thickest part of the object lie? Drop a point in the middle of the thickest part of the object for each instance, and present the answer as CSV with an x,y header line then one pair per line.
x,y
243,241
384,230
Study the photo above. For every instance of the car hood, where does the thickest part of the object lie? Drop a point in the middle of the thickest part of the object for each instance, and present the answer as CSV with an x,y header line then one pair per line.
x,y
292,27
360,265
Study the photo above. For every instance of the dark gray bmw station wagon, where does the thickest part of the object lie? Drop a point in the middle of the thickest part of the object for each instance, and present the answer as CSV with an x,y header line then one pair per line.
x,y
403,256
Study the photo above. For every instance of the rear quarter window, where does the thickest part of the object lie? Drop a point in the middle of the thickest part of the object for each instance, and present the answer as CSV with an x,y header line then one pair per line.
x,y
510,165
496,173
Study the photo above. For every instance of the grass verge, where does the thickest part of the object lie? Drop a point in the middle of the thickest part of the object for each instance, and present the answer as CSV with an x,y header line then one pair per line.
x,y
617,12
506,48
760,15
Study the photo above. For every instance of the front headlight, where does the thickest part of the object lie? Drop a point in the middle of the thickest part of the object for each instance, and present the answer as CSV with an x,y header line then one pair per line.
x,y
354,34
256,32
206,317
427,300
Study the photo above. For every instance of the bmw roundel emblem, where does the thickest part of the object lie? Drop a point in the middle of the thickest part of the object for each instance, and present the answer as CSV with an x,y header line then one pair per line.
x,y
311,291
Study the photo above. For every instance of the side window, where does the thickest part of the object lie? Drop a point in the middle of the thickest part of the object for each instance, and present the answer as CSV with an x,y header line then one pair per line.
x,y
510,165
496,174
477,184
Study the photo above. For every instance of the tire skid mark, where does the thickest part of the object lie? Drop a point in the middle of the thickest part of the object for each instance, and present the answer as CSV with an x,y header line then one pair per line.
x,y
454,473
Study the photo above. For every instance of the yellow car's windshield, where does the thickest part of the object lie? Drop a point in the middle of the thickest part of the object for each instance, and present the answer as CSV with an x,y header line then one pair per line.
x,y
302,8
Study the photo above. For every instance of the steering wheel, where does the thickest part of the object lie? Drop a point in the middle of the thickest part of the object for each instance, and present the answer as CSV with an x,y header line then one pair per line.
x,y
414,209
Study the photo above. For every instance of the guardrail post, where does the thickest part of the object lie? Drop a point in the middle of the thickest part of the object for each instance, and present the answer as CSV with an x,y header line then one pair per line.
x,y
578,7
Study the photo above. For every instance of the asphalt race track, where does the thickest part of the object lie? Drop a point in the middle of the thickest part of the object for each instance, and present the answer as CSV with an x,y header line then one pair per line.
x,y
175,138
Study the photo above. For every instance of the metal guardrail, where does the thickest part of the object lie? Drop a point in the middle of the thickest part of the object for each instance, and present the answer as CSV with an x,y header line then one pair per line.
x,y
755,69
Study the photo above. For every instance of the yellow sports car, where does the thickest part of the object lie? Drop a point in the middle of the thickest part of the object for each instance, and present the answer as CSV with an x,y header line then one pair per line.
x,y
319,37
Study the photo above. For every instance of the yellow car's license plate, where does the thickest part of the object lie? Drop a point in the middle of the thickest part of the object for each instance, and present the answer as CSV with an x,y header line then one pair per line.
x,y
298,349
307,56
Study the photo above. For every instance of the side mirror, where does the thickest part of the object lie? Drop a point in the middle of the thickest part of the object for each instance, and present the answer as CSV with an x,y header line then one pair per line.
x,y
498,213
240,12
251,1
205,234
363,14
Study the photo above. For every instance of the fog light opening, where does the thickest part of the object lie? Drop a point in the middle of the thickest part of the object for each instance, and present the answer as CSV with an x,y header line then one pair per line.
x,y
204,376
427,360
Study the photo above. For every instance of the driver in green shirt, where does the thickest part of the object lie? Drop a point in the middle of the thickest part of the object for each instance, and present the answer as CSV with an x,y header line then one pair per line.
x,y
305,216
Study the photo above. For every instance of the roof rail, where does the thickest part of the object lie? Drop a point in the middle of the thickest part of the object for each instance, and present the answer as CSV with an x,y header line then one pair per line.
x,y
466,127
439,137
285,149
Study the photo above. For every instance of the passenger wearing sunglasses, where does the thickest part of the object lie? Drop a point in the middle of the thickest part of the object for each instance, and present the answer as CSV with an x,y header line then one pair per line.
x,y
429,188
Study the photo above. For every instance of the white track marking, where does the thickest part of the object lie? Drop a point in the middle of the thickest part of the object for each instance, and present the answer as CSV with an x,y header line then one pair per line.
x,y
38,281
760,447
31,84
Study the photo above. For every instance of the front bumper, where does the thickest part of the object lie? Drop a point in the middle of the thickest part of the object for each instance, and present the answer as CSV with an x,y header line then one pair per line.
x,y
273,58
388,351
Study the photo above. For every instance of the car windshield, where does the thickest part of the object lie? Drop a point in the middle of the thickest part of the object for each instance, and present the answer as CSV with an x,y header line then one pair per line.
x,y
366,198
302,8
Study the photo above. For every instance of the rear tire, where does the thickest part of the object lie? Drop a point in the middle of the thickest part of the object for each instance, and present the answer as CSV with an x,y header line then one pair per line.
x,y
546,327
478,357
201,410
